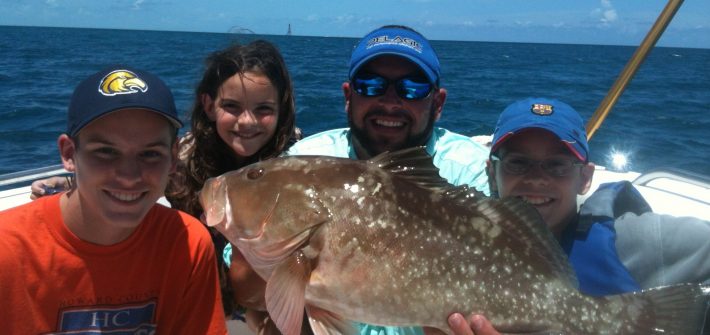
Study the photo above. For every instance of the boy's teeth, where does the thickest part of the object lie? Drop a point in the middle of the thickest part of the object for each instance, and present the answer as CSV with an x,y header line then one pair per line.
x,y
536,200
125,196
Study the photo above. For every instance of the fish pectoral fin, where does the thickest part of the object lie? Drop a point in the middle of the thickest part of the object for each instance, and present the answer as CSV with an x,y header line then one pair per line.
x,y
286,293
326,323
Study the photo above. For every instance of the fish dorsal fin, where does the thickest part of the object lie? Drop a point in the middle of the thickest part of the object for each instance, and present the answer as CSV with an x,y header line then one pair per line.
x,y
417,166
413,164
522,221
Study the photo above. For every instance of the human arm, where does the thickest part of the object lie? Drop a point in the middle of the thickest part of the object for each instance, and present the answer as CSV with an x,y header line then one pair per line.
x,y
248,286
662,250
50,186
248,291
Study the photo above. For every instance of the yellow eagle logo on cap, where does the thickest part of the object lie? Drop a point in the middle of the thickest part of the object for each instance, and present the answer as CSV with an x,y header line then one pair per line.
x,y
121,82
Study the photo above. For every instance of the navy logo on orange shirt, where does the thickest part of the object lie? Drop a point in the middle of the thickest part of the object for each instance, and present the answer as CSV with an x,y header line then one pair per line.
x,y
130,318
121,82
542,109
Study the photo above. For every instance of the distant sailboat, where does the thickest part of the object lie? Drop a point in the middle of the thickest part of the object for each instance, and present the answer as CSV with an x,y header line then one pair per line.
x,y
288,33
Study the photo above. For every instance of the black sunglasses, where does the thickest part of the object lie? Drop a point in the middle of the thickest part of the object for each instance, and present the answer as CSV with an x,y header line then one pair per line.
x,y
408,88
520,165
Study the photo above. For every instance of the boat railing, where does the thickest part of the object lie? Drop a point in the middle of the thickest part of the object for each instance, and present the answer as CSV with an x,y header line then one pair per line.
x,y
17,178
679,182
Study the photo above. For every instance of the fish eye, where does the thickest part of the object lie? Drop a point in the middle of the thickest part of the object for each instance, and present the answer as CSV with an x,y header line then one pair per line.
x,y
255,173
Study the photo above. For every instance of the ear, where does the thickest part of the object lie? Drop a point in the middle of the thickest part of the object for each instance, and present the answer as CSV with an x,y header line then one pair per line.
x,y
586,175
439,100
491,172
208,106
67,150
347,94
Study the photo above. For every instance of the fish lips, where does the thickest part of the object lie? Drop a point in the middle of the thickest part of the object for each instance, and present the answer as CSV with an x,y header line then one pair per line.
x,y
213,198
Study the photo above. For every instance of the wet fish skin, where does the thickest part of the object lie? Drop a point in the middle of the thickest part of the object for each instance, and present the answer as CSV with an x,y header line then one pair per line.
x,y
387,241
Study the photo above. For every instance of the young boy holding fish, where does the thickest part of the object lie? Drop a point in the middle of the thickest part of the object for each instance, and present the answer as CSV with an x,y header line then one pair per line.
x,y
540,155
93,259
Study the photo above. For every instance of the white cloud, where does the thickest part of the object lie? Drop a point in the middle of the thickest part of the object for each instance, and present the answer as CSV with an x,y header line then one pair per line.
x,y
345,19
137,4
523,23
607,14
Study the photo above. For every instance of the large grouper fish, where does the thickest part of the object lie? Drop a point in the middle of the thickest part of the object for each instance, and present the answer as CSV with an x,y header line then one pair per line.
x,y
387,241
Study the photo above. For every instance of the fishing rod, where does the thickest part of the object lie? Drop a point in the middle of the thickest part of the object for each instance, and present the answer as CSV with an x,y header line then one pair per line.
x,y
632,66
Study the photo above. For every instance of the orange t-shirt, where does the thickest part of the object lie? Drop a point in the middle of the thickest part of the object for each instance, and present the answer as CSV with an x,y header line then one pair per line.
x,y
162,279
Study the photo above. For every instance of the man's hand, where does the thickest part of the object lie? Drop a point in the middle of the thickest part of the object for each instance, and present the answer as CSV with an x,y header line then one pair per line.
x,y
474,325
49,186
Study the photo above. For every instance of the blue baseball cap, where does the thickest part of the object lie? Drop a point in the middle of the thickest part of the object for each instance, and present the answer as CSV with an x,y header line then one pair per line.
x,y
397,41
554,116
115,88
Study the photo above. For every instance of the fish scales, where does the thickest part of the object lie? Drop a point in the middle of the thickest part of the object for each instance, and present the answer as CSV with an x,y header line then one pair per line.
x,y
389,242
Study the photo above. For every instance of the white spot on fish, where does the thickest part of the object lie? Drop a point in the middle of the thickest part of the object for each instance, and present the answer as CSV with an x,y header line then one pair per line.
x,y
352,188
377,188
494,231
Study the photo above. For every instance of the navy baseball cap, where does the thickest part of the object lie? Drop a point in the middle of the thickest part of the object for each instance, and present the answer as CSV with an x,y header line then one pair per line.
x,y
119,87
554,116
397,41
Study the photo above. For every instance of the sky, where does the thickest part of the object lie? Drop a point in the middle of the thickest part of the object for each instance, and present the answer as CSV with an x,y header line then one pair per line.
x,y
613,22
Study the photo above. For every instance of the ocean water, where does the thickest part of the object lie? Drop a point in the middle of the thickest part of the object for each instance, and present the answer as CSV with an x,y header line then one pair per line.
x,y
661,120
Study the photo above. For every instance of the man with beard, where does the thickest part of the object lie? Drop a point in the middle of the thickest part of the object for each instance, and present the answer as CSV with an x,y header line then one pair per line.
x,y
393,97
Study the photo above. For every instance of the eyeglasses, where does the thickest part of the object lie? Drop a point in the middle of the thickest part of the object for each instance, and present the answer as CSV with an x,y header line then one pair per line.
x,y
520,165
408,88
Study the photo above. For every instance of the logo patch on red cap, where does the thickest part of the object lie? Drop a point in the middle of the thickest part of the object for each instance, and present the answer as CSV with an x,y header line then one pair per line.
x,y
542,109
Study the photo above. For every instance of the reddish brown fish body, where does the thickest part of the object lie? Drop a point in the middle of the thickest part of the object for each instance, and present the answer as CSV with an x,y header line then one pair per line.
x,y
388,242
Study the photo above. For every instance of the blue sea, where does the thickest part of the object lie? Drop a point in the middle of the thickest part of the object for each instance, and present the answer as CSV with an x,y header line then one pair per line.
x,y
661,120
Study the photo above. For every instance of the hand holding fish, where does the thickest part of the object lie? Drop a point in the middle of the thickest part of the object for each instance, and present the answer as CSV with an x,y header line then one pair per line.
x,y
473,325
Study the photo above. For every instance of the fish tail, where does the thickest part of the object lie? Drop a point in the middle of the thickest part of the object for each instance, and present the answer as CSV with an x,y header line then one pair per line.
x,y
677,309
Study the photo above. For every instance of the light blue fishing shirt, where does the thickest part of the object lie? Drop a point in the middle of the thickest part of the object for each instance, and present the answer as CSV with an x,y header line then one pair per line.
x,y
460,160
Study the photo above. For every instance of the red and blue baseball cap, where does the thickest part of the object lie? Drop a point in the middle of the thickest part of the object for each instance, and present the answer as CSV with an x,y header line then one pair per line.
x,y
115,88
398,41
552,115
